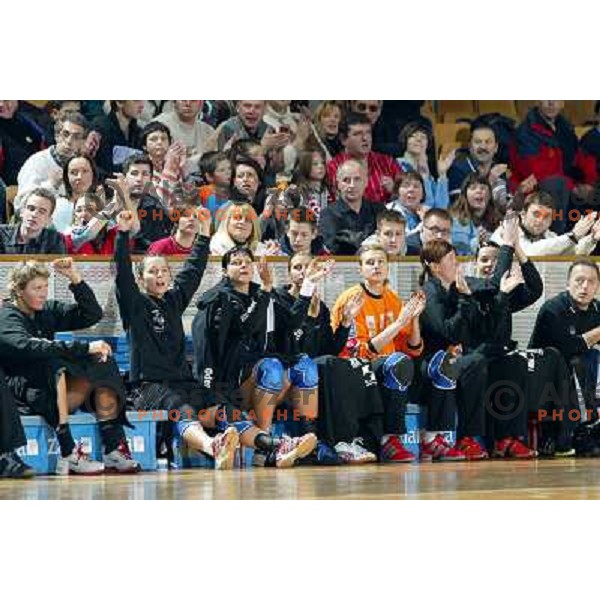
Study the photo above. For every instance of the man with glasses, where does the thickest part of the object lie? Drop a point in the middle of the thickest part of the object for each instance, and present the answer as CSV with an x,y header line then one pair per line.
x,y
45,168
382,171
436,225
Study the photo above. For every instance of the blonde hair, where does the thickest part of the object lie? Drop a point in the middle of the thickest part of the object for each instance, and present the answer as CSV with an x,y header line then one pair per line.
x,y
23,273
371,247
222,241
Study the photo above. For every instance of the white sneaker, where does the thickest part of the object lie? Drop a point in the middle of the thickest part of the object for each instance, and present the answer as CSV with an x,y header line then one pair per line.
x,y
354,453
78,463
120,460
292,449
224,447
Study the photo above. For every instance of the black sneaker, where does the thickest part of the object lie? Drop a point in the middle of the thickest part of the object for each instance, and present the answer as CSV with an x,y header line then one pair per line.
x,y
11,466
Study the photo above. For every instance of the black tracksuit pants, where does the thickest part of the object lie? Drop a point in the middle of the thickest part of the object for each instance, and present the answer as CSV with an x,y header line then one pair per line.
x,y
12,435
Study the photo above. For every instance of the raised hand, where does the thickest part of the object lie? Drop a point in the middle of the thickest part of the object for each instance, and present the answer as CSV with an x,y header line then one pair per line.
x,y
315,305
445,163
119,185
496,172
319,269
266,274
510,280
352,308
205,219
100,349
528,185
125,220
461,283
66,267
510,229
420,301
584,226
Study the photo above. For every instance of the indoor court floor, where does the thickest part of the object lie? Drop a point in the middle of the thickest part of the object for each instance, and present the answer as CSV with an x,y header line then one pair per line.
x,y
540,480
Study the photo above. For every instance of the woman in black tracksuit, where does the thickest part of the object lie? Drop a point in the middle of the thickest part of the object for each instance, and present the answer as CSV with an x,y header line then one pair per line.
x,y
53,378
236,356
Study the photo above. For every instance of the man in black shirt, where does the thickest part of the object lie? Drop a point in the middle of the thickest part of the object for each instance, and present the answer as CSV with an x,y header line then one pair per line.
x,y
351,219
570,322
32,235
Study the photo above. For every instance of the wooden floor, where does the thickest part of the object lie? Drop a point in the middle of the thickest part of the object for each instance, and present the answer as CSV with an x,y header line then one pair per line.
x,y
558,479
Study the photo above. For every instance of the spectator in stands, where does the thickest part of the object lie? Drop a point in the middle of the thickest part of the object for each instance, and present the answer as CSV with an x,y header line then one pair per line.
x,y
33,235
3,205
386,332
310,177
417,149
483,146
474,218
248,123
56,111
52,378
230,343
395,115
590,146
120,135
155,223
186,126
536,238
45,168
12,436
20,137
301,234
390,233
570,322
185,231
410,204
94,231
326,128
238,226
216,171
346,223
382,171
487,258
436,225
247,183
79,177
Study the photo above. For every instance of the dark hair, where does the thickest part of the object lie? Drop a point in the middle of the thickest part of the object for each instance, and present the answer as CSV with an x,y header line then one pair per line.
x,y
540,198
75,118
481,124
248,162
415,176
153,127
583,262
487,244
440,213
597,107
352,119
137,159
302,214
58,104
304,165
432,253
209,162
241,148
67,183
233,251
390,215
414,127
462,210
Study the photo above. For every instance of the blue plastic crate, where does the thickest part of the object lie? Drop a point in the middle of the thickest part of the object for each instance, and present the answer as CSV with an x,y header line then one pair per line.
x,y
41,451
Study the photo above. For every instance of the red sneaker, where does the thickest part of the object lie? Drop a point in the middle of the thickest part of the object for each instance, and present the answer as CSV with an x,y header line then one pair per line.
x,y
472,449
394,451
512,447
439,449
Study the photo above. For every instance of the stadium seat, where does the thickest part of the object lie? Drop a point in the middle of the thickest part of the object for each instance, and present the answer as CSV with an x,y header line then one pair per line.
x,y
458,117
581,131
451,133
579,112
455,106
523,107
504,107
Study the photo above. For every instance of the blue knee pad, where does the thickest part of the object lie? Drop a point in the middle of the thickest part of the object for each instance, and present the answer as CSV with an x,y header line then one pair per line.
x,y
398,372
269,374
304,374
439,379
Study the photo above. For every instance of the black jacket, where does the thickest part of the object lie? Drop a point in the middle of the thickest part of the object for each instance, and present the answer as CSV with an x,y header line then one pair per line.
x,y
48,242
560,324
344,230
229,332
112,135
155,223
298,333
29,354
154,326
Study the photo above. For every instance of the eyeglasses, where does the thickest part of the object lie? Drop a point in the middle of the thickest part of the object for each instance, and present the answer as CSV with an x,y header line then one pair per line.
x,y
437,230
65,135
363,107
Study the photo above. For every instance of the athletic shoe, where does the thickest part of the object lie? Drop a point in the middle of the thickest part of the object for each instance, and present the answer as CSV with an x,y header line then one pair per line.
x,y
565,453
354,453
440,449
78,463
11,466
292,449
472,449
224,446
393,450
511,447
120,460
323,455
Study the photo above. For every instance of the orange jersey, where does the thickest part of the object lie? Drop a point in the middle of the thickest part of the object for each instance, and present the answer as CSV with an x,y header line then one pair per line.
x,y
376,315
